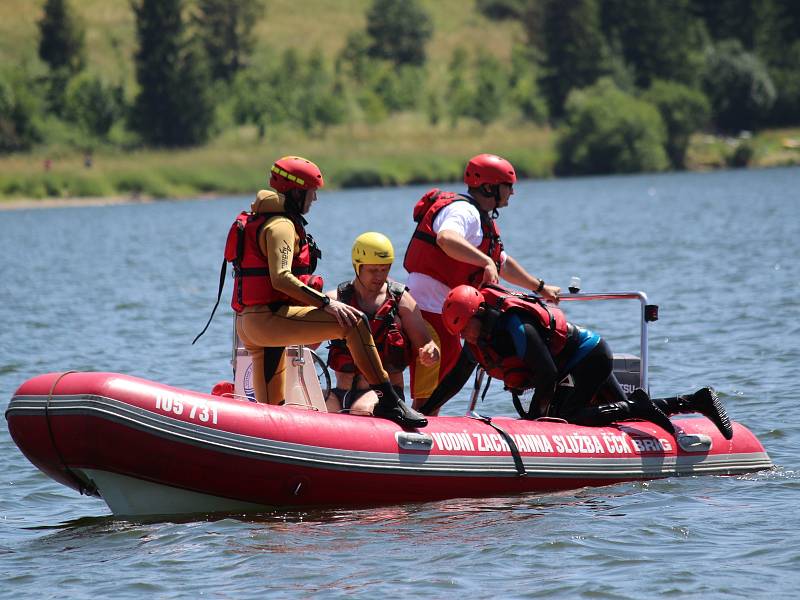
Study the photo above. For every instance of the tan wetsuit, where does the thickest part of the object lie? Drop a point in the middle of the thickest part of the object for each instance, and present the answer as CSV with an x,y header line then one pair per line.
x,y
265,332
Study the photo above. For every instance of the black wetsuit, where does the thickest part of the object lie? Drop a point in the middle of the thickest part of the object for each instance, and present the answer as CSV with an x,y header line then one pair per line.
x,y
586,357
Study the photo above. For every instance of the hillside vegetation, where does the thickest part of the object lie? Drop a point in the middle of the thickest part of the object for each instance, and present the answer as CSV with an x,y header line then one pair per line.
x,y
111,35
309,88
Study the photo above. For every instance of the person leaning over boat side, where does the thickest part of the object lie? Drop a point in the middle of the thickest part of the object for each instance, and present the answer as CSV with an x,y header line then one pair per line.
x,y
276,308
457,242
396,323
527,344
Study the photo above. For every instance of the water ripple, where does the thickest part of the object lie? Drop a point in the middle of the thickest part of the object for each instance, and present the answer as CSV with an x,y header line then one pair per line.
x,y
700,245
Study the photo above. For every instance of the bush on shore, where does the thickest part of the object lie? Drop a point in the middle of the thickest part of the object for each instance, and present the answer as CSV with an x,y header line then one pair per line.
x,y
609,131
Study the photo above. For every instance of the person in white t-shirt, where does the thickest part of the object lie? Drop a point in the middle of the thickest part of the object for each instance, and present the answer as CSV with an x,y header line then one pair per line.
x,y
457,242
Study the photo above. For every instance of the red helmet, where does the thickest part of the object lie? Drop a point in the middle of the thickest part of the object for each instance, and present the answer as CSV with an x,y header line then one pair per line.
x,y
488,168
459,307
294,172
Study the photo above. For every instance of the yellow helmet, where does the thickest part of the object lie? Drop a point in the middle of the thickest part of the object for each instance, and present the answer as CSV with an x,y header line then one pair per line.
x,y
372,248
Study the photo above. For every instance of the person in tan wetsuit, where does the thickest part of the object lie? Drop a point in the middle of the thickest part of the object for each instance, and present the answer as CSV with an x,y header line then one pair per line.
x,y
301,314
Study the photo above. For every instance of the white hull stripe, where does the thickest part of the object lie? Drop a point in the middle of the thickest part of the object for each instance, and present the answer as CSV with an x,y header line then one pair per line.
x,y
419,463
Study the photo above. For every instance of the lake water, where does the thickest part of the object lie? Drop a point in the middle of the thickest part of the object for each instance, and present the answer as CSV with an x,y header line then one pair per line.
x,y
126,288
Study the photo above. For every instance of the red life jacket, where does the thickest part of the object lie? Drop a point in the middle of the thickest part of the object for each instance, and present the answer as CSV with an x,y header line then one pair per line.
x,y
389,339
252,285
423,255
511,369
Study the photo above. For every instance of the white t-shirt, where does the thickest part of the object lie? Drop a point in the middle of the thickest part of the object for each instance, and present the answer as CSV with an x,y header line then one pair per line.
x,y
464,219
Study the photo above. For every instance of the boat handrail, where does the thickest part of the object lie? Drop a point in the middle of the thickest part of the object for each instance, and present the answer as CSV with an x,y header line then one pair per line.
x,y
649,312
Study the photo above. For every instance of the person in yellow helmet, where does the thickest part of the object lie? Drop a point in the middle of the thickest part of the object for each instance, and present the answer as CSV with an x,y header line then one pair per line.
x,y
397,326
276,304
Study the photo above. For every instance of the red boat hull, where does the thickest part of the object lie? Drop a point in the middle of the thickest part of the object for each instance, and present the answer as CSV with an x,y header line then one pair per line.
x,y
148,448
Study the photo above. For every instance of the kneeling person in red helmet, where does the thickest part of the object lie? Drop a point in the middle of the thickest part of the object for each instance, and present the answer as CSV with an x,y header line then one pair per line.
x,y
273,257
399,331
529,344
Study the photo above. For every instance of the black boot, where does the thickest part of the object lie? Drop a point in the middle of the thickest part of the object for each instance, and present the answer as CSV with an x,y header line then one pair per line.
x,y
704,401
638,406
391,407
642,407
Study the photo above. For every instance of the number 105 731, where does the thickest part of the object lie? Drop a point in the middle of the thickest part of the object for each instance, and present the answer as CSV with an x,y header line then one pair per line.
x,y
196,411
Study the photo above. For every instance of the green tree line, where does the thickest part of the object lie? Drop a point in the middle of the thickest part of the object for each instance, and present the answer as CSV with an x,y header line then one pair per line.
x,y
624,82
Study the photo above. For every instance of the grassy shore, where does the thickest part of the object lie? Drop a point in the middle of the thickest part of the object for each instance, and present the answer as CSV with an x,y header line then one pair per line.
x,y
402,150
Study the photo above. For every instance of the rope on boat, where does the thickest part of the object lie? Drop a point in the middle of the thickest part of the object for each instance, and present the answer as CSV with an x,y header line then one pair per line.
x,y
81,487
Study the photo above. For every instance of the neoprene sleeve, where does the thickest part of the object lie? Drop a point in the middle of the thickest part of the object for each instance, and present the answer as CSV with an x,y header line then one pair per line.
x,y
278,240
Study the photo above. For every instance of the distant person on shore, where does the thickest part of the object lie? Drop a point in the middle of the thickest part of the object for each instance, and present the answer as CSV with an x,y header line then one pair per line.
x,y
526,344
273,259
456,242
397,326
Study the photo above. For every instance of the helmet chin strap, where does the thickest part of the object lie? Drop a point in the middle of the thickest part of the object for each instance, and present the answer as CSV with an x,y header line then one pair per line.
x,y
496,195
487,192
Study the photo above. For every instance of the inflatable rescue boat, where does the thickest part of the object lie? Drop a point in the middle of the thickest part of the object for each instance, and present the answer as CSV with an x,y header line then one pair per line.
x,y
146,448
